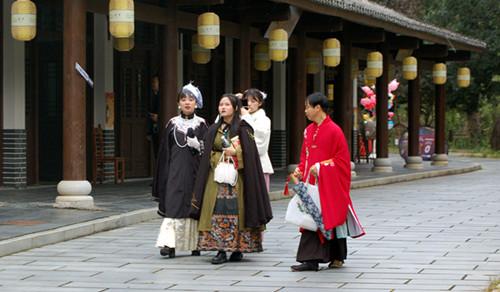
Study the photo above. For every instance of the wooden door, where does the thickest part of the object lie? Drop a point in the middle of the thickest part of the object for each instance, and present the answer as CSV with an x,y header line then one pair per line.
x,y
133,101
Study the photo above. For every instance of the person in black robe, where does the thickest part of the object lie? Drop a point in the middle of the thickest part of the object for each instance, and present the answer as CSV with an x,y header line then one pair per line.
x,y
178,160
231,217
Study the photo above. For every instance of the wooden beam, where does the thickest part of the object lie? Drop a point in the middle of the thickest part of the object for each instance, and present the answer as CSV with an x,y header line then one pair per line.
x,y
278,12
431,52
331,26
458,56
198,2
366,35
403,42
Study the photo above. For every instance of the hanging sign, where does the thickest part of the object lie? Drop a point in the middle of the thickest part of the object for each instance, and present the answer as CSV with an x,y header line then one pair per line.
x,y
84,74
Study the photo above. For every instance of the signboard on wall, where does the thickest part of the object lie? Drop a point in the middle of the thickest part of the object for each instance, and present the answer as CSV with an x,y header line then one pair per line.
x,y
110,111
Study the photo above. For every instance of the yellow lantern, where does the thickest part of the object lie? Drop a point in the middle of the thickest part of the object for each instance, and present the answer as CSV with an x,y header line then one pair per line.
x,y
374,64
23,22
439,73
208,30
331,52
121,18
330,92
313,62
124,44
369,80
463,77
278,45
199,54
261,57
410,68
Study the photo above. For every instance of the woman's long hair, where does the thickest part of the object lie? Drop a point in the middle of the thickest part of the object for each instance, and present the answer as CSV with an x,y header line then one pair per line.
x,y
235,123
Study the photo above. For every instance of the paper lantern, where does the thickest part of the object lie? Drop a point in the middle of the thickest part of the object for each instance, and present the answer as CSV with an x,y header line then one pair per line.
x,y
121,18
330,92
463,77
313,62
124,44
199,54
261,57
331,52
374,64
369,80
208,30
410,68
278,45
23,21
439,73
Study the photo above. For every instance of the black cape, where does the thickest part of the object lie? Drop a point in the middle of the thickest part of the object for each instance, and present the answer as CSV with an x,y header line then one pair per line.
x,y
257,206
176,171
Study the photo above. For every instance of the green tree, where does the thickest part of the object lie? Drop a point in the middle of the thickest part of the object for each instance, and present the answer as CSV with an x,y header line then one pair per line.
x,y
479,19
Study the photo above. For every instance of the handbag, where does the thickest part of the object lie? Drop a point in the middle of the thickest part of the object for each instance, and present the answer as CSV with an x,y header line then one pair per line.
x,y
297,214
224,172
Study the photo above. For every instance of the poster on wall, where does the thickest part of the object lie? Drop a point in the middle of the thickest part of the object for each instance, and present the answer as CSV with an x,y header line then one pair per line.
x,y
110,110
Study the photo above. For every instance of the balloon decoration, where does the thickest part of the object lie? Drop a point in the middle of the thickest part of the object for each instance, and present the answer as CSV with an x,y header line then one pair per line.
x,y
369,102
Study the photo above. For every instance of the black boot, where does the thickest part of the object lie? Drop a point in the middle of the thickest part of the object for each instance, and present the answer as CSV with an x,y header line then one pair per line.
x,y
220,258
306,266
171,253
164,251
236,256
195,253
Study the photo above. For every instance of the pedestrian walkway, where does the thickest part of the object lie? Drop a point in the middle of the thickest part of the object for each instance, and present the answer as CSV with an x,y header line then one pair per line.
x,y
439,234
26,212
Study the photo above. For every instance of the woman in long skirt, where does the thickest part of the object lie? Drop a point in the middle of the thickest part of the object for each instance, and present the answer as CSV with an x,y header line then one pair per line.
x,y
232,215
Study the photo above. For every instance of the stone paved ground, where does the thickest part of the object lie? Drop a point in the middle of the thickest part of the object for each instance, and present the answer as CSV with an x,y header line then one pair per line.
x,y
440,234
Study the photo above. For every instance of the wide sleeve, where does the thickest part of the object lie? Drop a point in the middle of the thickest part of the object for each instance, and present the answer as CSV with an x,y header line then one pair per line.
x,y
303,154
162,166
262,133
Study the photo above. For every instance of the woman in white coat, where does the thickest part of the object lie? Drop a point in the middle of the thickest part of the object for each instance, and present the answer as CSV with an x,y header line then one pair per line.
x,y
261,124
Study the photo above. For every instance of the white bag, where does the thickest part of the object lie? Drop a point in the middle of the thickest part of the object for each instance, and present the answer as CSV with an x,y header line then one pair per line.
x,y
224,172
296,212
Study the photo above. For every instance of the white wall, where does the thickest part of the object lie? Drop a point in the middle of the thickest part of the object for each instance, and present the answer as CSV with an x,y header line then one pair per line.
x,y
103,68
279,96
14,116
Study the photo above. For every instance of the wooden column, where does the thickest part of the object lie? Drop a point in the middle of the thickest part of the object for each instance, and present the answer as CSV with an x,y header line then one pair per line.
x,y
74,188
347,89
245,58
440,157
299,85
382,163
1,93
414,160
168,77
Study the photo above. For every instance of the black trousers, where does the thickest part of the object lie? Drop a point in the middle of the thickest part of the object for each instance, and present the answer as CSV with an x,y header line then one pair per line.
x,y
311,249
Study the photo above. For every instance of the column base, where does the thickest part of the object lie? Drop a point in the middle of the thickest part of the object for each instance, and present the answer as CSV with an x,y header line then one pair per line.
x,y
440,160
353,167
382,165
414,162
74,194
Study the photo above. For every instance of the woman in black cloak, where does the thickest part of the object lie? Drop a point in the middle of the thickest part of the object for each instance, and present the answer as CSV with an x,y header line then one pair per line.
x,y
178,161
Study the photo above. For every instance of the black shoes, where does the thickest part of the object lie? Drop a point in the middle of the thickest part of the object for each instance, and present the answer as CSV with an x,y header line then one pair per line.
x,y
167,251
220,258
236,256
195,253
307,266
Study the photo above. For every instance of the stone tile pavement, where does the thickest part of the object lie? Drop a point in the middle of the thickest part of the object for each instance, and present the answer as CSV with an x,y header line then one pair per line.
x,y
438,234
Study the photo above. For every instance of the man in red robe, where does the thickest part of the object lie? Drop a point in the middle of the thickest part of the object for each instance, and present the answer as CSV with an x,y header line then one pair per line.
x,y
324,159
